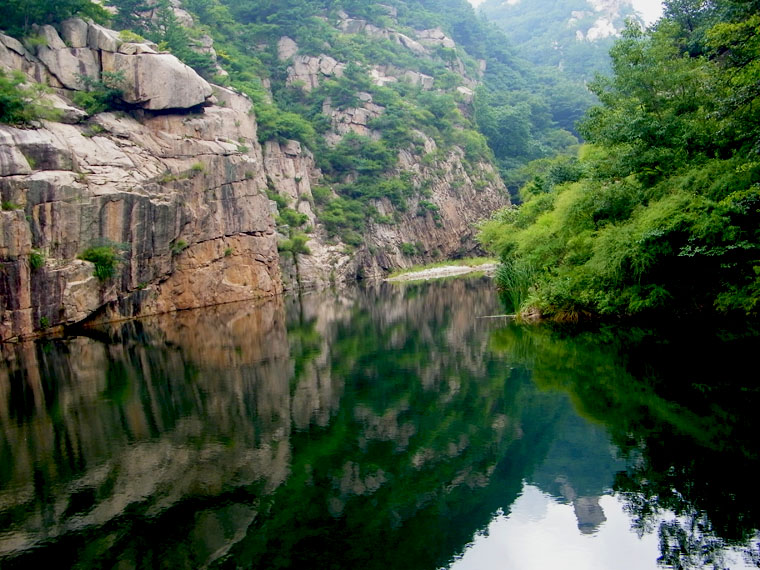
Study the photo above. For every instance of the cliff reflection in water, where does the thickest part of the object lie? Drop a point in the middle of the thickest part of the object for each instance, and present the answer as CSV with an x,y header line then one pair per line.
x,y
373,428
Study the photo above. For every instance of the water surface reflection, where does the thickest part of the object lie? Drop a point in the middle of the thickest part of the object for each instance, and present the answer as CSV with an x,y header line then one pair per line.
x,y
377,427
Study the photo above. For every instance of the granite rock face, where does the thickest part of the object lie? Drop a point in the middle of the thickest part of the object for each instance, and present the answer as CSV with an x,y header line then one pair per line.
x,y
439,226
157,81
177,200
87,51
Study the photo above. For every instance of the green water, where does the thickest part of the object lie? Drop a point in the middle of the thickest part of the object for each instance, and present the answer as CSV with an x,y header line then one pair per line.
x,y
379,427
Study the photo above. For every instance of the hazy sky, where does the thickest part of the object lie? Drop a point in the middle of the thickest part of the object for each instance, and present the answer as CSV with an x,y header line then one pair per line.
x,y
651,9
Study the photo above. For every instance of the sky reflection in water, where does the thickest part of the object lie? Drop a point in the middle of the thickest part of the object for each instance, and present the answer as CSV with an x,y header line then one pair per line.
x,y
540,532
318,431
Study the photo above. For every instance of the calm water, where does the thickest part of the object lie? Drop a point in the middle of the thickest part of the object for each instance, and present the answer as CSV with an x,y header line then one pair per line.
x,y
385,427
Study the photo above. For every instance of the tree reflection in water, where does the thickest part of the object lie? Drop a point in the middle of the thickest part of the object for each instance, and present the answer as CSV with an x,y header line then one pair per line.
x,y
321,430
682,411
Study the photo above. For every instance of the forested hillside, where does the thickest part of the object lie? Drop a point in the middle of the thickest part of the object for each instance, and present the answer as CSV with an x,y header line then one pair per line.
x,y
660,210
575,35
377,128
523,115
376,136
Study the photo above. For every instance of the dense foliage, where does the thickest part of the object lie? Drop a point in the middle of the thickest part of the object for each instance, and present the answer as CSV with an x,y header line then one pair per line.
x,y
570,34
566,43
21,103
19,15
661,211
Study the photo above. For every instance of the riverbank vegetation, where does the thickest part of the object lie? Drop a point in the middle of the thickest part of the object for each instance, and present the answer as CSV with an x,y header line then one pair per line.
x,y
660,211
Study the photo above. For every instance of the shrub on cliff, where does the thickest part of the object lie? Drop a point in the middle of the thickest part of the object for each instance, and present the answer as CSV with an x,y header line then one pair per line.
x,y
101,95
106,259
21,103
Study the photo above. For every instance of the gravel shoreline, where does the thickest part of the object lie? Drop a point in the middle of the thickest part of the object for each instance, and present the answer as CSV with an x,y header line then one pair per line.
x,y
445,271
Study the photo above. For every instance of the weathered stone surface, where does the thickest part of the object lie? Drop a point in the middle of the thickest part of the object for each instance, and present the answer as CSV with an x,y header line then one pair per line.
x,y
71,65
8,59
291,148
419,79
102,38
186,203
327,65
75,32
351,120
291,169
157,81
91,150
435,37
12,44
380,33
286,48
468,95
132,49
41,148
383,74
183,16
81,295
204,274
15,238
380,78
14,57
66,112
306,70
12,160
352,26
51,37
410,44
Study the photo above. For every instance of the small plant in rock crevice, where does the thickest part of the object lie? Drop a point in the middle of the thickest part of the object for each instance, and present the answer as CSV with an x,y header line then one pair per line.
x,y
106,259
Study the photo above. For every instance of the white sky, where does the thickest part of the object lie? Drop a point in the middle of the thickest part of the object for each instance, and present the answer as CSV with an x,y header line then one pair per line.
x,y
650,9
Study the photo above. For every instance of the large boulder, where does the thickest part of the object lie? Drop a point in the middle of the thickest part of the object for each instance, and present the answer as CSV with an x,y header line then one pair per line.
x,y
435,37
12,160
75,32
102,38
51,37
157,81
71,65
286,48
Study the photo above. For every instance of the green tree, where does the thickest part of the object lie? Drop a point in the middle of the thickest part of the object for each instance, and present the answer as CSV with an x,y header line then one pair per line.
x,y
20,102
665,213
19,15
130,14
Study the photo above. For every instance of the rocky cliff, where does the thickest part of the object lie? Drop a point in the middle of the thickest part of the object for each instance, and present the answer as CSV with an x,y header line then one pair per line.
x,y
169,195
165,202
450,193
